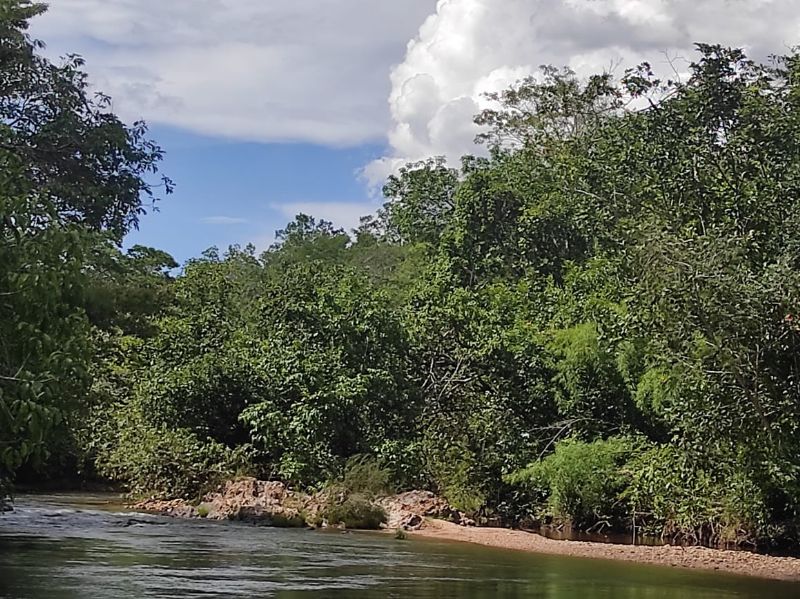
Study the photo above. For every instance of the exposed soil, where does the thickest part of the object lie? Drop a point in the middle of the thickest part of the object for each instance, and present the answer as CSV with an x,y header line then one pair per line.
x,y
702,558
266,502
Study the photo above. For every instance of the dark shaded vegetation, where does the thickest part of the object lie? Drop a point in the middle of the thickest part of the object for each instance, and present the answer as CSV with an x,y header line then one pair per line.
x,y
597,323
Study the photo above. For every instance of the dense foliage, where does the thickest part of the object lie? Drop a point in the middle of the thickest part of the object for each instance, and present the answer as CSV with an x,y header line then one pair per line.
x,y
73,179
597,323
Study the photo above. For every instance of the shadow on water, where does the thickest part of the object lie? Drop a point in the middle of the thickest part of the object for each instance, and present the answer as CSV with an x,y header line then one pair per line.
x,y
86,547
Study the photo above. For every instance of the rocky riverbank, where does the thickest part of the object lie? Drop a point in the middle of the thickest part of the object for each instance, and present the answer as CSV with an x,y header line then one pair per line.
x,y
273,504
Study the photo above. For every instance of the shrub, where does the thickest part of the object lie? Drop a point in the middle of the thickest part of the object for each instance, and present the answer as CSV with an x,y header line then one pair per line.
x,y
349,499
464,496
697,499
580,482
356,511
455,472
165,463
363,475
402,459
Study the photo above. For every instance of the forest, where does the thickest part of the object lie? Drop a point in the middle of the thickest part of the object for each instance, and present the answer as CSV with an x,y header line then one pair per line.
x,y
594,320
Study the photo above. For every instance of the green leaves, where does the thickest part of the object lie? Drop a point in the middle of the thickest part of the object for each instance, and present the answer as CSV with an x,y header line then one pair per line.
x,y
43,342
69,170
420,202
656,248
611,298
304,362
331,367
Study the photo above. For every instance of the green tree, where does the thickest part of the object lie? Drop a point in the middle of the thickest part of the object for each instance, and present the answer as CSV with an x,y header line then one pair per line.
x,y
44,348
74,177
420,202
90,166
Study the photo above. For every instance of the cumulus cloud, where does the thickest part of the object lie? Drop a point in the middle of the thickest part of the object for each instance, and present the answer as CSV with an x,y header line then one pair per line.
x,y
316,70
469,47
299,70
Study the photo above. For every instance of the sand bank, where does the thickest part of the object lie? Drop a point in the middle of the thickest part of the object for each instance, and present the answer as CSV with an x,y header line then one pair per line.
x,y
734,562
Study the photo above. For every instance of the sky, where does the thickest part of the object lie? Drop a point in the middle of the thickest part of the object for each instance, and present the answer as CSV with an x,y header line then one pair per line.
x,y
267,108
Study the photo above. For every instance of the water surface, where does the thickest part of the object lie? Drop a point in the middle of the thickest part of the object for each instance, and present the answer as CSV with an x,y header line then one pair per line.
x,y
84,547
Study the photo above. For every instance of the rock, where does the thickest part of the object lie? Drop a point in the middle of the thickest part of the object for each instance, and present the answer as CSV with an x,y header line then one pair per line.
x,y
177,508
137,521
184,511
464,521
267,503
262,502
271,503
493,522
407,511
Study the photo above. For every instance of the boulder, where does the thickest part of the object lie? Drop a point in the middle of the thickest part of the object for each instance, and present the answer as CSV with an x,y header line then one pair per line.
x,y
408,510
271,503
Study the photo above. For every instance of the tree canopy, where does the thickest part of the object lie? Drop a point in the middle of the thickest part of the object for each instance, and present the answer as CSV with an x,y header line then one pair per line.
x,y
597,323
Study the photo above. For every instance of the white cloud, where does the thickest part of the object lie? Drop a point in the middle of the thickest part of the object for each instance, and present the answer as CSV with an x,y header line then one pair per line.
x,y
469,47
342,214
316,70
223,220
260,70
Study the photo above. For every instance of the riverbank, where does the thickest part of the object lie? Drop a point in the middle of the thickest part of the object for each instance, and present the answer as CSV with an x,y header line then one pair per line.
x,y
272,503
69,545
698,558
426,515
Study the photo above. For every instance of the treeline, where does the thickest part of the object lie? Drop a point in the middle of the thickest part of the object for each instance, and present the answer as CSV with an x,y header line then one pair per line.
x,y
598,323
73,181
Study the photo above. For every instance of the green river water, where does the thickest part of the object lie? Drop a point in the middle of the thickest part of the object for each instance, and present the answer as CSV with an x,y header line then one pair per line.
x,y
76,547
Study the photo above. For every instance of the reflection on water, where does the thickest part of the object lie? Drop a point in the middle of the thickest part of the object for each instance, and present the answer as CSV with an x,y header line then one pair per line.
x,y
71,547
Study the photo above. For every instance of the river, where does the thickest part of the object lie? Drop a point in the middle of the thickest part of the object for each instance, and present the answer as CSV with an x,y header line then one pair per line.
x,y
69,546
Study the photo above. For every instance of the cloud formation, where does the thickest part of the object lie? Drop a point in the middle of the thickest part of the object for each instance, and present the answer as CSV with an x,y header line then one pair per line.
x,y
257,70
469,47
320,70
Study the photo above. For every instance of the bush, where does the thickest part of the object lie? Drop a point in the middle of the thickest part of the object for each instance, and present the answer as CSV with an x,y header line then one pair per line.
x,y
581,482
697,499
402,459
455,473
363,475
349,500
356,511
166,463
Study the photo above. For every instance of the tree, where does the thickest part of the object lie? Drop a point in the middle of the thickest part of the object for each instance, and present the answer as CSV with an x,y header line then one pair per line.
x,y
73,178
420,201
44,348
82,159
125,290
306,239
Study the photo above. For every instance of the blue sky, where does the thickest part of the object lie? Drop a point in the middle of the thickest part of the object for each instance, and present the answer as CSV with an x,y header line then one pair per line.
x,y
230,192
267,108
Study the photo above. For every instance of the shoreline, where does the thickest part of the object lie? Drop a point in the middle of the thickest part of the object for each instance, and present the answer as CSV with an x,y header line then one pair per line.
x,y
697,558
422,514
